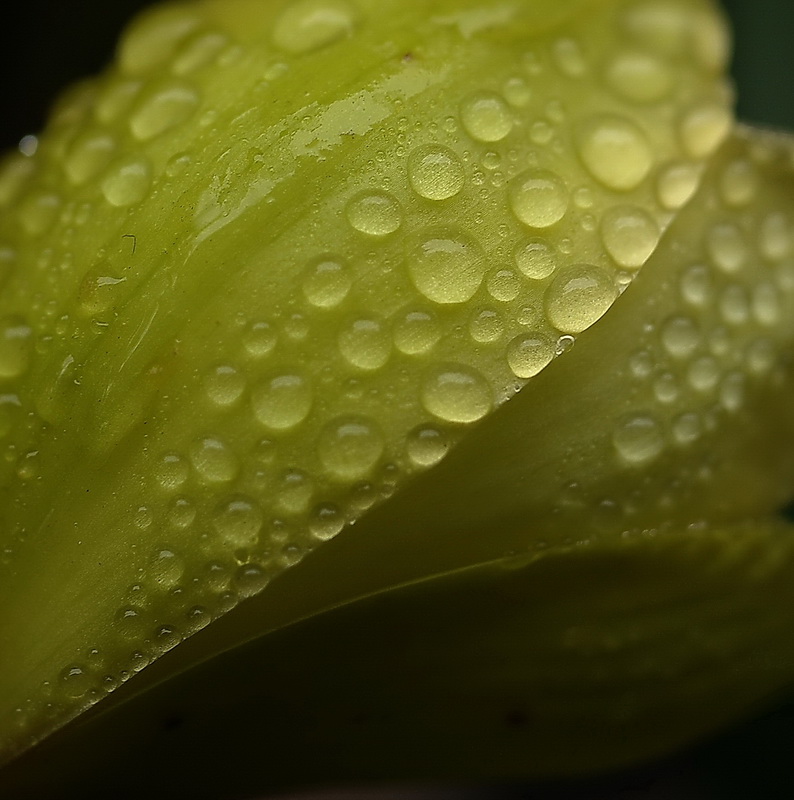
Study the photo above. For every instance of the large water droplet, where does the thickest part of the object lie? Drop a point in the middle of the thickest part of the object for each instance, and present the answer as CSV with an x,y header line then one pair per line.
x,y
435,172
456,393
447,265
416,332
615,151
426,446
307,25
88,154
539,198
579,296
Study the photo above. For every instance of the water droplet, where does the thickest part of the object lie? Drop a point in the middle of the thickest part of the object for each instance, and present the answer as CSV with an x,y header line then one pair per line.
x,y
224,385
676,184
374,213
171,471
326,521
486,326
734,305
98,291
638,439
687,428
365,344
166,568
615,151
539,198
456,393
307,25
732,392
435,172
536,258
416,332
238,521
579,296
666,388
486,117
327,282
703,374
529,353
761,356
775,240
738,183
213,460
639,77
727,247
88,155
199,51
127,181
181,513
259,339
75,681
703,129
680,337
282,402
350,447
152,38
161,109
766,304
517,91
568,56
504,285
696,286
294,492
37,211
426,446
630,235
16,339
660,25
447,265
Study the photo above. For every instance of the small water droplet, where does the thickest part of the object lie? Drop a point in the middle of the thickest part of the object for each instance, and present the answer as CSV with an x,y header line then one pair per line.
x,y
88,155
539,198
615,151
365,344
238,521
486,117
282,402
127,181
75,681
486,326
630,235
638,439
680,336
703,374
374,213
569,58
727,247
163,108
259,339
639,77
213,460
776,237
435,172
536,258
224,385
761,356
447,265
734,305
426,446
579,296
676,184
16,339
666,388
327,282
166,568
732,392
738,183
171,471
704,128
294,492
696,285
456,393
416,332
687,428
325,522
308,25
529,353
504,285
350,447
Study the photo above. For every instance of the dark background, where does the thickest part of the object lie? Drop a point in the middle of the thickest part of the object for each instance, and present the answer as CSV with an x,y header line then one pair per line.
x,y
50,43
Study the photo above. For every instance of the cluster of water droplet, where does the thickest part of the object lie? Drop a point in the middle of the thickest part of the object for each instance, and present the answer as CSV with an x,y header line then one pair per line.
x,y
301,302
